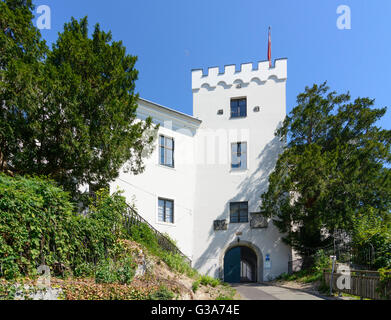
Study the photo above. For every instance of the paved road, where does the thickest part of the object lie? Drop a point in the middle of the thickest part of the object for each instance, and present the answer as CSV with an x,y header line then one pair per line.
x,y
266,292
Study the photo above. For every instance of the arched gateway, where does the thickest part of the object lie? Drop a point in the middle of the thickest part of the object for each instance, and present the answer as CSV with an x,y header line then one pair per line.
x,y
242,263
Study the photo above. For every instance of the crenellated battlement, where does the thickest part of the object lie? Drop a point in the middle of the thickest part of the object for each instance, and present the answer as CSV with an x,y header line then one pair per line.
x,y
246,74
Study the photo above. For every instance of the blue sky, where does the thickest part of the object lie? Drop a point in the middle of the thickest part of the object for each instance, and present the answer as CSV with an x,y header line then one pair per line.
x,y
171,37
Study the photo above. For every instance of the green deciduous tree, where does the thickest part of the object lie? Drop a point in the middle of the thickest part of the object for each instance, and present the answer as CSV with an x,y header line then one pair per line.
x,y
70,112
334,169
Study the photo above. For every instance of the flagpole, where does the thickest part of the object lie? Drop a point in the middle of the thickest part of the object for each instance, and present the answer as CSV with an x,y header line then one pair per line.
x,y
269,50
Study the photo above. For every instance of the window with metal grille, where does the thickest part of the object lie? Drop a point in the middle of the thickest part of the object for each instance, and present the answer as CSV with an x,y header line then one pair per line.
x,y
239,156
166,151
166,211
238,212
239,108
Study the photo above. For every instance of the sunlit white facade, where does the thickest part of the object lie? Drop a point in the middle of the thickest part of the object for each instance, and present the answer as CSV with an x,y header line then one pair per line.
x,y
203,182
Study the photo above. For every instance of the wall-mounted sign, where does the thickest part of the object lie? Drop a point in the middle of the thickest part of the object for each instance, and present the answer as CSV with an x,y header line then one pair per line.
x,y
268,262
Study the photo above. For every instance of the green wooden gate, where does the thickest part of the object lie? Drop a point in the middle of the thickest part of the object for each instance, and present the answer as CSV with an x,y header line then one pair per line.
x,y
232,265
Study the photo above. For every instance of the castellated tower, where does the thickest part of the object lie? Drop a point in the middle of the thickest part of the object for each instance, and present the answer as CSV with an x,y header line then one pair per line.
x,y
236,152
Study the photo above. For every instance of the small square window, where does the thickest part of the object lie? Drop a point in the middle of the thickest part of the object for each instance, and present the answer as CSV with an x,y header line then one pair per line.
x,y
239,108
238,212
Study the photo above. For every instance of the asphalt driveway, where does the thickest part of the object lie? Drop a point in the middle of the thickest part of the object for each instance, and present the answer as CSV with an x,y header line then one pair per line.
x,y
269,292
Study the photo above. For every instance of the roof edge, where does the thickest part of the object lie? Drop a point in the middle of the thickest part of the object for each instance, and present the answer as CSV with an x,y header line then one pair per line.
x,y
172,111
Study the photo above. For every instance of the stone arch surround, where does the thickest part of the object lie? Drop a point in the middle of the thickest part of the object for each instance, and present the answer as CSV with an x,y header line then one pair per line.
x,y
243,243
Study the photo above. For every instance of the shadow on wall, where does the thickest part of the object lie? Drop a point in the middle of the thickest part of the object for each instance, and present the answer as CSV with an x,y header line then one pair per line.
x,y
250,189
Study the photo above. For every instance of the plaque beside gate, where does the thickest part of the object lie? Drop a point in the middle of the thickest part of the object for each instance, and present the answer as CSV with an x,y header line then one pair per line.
x,y
220,225
258,221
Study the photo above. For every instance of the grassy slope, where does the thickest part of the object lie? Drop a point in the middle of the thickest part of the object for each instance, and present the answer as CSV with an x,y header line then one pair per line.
x,y
160,282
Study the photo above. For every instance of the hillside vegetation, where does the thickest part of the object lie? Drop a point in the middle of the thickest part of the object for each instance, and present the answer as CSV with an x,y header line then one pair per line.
x,y
90,256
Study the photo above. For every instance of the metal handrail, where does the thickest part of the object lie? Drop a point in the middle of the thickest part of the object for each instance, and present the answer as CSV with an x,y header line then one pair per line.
x,y
133,218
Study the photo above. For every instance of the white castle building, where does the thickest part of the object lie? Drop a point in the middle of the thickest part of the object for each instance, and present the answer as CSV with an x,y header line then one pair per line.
x,y
203,182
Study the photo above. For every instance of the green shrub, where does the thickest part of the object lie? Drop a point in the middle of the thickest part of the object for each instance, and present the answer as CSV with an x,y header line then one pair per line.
x,y
321,261
34,219
172,241
372,233
385,283
206,281
304,276
163,293
144,235
105,272
96,234
39,225
228,295
284,276
125,270
224,297
177,263
195,285
312,277
209,281
83,270
121,271
9,268
7,290
382,247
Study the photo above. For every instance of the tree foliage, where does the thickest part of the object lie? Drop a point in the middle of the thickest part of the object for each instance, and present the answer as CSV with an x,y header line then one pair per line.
x,y
334,169
21,50
38,225
69,112
372,235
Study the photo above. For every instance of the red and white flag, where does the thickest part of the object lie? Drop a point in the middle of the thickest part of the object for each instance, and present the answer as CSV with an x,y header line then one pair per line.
x,y
269,50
